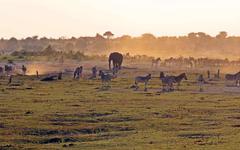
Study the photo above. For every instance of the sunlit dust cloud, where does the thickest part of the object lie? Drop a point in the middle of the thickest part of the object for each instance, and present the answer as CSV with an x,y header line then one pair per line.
x,y
32,69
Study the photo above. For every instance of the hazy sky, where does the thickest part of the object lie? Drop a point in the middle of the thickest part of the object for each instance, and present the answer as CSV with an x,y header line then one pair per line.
x,y
55,18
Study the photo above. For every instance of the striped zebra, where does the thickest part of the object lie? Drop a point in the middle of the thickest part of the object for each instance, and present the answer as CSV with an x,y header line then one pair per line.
x,y
105,78
142,79
167,81
233,77
178,79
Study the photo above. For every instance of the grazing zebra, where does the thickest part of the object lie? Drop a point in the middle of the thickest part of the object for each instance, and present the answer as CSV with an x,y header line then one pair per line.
x,y
156,62
167,81
105,78
233,77
94,73
142,79
78,72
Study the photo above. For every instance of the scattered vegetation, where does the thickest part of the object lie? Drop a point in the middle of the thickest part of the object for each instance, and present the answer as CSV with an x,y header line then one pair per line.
x,y
82,116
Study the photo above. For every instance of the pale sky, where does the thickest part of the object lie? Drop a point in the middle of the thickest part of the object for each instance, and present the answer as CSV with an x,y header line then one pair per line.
x,y
56,18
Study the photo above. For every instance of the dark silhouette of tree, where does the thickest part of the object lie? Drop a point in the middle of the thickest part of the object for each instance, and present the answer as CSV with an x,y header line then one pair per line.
x,y
222,35
202,35
43,39
148,36
35,37
192,35
125,37
73,38
108,34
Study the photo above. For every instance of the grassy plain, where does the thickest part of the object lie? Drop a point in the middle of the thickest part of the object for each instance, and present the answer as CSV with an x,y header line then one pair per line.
x,y
80,115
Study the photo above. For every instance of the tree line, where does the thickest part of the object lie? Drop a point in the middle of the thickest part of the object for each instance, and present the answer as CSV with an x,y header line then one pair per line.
x,y
197,44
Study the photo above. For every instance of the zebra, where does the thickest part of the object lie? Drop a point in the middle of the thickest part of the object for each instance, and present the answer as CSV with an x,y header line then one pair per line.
x,y
167,81
105,78
142,79
233,77
78,72
178,79
94,73
8,69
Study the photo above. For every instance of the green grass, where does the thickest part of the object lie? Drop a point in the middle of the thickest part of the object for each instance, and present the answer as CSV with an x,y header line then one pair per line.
x,y
52,115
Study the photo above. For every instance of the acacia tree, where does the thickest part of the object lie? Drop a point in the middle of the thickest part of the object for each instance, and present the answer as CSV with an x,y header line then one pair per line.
x,y
108,34
148,36
222,35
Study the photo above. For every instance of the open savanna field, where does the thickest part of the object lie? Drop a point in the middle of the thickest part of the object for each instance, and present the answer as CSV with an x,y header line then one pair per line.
x,y
79,114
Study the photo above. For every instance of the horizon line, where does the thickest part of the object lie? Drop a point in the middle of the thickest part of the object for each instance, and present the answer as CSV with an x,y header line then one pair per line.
x,y
118,36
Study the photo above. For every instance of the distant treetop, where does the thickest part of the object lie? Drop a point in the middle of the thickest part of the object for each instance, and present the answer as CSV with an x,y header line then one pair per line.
x,y
108,34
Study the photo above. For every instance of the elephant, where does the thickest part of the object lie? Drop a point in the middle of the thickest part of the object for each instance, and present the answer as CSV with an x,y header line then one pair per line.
x,y
117,60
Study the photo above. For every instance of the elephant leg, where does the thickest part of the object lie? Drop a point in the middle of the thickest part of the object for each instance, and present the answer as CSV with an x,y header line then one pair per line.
x,y
114,65
109,63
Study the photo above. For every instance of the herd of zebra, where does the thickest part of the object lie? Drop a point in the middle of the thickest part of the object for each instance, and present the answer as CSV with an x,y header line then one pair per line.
x,y
168,81
116,58
8,69
193,62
